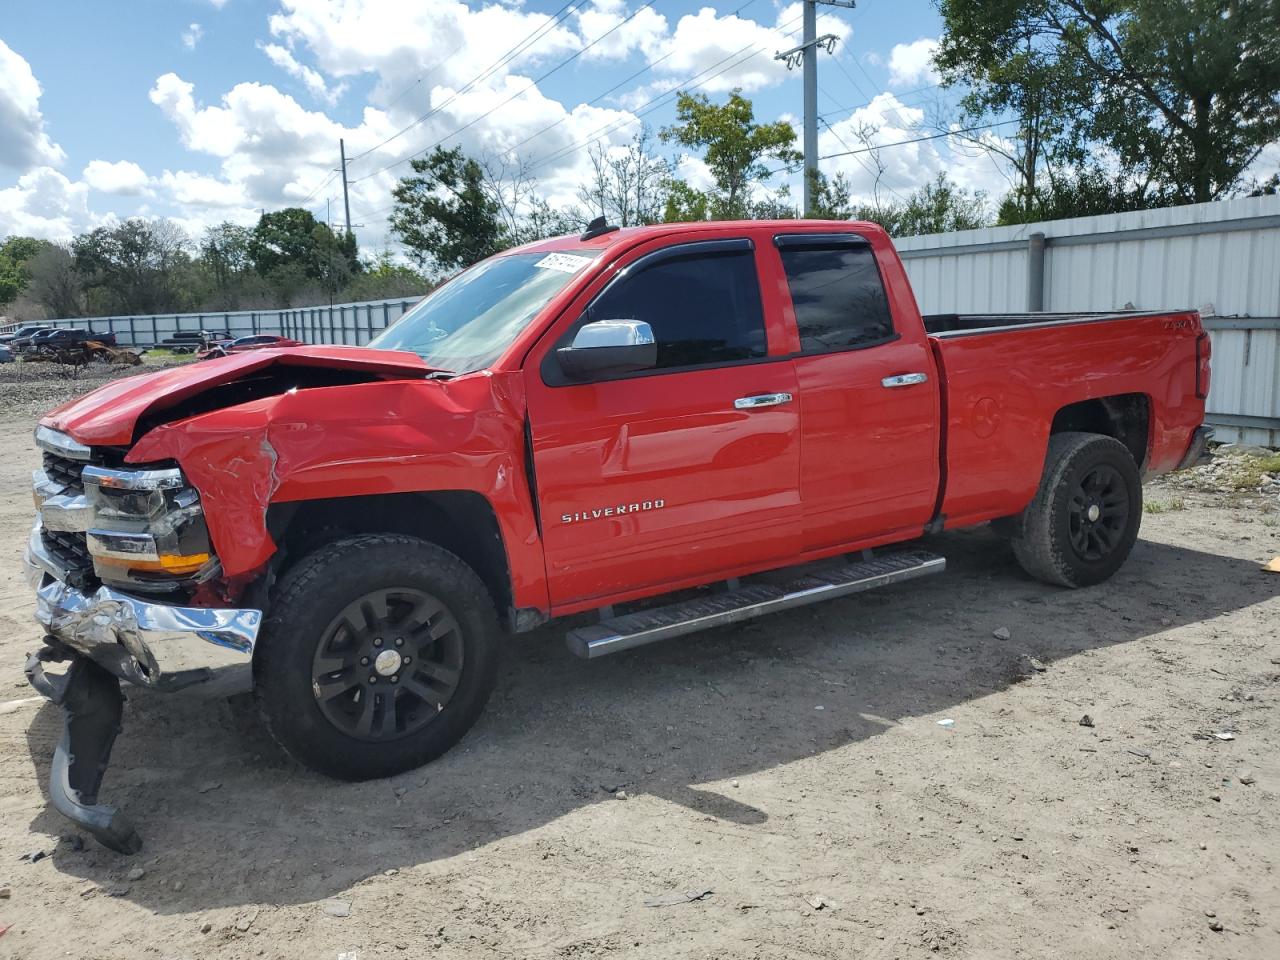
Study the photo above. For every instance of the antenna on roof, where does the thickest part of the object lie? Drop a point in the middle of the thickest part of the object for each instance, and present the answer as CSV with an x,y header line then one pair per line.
x,y
597,228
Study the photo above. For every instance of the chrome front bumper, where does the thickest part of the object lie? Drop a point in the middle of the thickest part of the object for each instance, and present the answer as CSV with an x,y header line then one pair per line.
x,y
151,644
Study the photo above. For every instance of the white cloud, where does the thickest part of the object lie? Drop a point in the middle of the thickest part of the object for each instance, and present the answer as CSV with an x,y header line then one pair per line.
x,y
885,123
23,141
199,190
269,150
606,21
912,63
728,51
122,177
899,161
310,78
45,204
695,172
217,4
191,36
414,47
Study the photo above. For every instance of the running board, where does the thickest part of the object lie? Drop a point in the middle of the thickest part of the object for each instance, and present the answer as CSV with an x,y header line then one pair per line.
x,y
748,602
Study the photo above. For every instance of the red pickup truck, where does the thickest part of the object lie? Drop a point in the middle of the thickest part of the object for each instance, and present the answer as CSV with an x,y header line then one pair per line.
x,y
582,424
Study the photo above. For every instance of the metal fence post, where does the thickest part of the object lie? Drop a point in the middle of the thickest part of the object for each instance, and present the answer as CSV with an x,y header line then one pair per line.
x,y
1035,272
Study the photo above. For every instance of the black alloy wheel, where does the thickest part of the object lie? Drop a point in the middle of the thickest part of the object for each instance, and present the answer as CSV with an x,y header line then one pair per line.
x,y
1098,513
388,664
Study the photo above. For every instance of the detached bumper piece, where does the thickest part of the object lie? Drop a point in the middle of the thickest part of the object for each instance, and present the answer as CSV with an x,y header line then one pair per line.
x,y
91,704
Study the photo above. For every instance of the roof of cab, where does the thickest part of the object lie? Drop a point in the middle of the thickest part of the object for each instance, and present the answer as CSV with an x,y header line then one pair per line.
x,y
630,235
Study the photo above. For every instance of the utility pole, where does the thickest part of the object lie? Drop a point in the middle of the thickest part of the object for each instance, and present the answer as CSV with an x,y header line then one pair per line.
x,y
806,55
346,201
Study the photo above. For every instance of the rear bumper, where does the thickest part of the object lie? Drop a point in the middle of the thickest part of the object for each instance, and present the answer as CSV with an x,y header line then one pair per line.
x,y
147,643
1198,451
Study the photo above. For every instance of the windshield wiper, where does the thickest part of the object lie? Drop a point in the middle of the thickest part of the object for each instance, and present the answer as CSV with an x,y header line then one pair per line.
x,y
441,375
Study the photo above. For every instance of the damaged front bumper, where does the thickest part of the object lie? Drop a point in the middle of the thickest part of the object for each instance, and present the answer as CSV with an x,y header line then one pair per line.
x,y
148,643
109,636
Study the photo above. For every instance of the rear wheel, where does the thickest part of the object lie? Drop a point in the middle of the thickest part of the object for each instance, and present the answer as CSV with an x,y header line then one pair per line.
x,y
1085,517
379,655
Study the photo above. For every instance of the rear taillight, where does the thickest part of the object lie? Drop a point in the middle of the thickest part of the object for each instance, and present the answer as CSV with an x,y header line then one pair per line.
x,y
1204,349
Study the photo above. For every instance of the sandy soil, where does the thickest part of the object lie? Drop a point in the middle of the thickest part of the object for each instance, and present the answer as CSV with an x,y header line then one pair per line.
x,y
794,767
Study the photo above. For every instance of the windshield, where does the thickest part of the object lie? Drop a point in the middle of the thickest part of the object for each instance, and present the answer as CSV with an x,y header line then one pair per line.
x,y
467,323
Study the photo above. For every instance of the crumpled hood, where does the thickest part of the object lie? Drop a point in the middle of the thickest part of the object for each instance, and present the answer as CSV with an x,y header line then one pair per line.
x,y
109,415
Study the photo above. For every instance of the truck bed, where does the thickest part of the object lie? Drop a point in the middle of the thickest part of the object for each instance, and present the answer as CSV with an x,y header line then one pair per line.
x,y
1007,376
953,324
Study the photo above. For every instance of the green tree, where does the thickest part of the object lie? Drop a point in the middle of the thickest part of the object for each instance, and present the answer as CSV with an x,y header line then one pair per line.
x,y
224,252
295,239
1185,95
736,150
1085,192
133,267
684,204
382,278
16,254
832,197
940,206
444,214
55,284
629,185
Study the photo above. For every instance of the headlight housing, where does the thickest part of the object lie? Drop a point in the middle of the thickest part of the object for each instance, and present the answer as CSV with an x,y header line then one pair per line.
x,y
147,528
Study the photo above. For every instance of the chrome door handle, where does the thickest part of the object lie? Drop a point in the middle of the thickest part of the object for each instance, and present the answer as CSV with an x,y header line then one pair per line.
x,y
761,400
904,380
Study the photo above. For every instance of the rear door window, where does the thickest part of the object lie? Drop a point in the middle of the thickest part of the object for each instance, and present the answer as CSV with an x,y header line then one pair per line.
x,y
837,292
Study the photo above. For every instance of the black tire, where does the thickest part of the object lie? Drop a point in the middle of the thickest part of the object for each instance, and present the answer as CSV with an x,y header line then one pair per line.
x,y
1084,519
320,618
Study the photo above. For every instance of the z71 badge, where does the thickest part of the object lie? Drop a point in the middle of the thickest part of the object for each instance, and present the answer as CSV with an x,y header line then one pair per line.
x,y
617,511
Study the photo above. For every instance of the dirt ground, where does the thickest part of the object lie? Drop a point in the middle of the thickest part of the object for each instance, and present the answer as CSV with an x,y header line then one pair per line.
x,y
795,767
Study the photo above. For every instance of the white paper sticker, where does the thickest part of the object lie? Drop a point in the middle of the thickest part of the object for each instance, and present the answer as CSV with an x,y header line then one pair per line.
x,y
564,262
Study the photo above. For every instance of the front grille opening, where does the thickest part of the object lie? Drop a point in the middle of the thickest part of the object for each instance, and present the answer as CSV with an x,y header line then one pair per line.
x,y
70,550
64,470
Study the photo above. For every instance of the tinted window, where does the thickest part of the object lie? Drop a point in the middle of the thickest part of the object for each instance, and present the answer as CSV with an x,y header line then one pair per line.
x,y
838,296
703,308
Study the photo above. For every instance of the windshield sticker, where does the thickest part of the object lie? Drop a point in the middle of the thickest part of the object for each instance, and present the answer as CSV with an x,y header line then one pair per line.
x,y
564,262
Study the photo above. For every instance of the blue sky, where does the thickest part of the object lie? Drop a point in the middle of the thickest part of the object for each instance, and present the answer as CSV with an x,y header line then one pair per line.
x,y
210,110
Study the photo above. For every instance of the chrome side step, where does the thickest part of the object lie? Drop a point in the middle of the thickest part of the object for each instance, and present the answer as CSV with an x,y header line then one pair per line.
x,y
748,602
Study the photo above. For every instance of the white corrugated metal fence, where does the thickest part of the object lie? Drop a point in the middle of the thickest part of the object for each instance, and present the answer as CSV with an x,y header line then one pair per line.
x,y
1221,258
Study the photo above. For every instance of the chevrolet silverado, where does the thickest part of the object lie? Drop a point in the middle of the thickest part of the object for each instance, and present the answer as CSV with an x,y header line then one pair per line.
x,y
733,414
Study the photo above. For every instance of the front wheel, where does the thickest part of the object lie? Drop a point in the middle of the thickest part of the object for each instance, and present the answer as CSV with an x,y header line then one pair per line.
x,y
1084,519
378,655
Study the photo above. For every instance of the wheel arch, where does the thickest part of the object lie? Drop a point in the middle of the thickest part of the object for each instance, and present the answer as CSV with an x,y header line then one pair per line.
x,y
463,522
1125,417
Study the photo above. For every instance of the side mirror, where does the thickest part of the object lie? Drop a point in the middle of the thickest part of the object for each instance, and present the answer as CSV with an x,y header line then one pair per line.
x,y
609,347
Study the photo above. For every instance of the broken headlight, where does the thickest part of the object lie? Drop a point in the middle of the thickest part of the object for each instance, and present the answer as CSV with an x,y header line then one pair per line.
x,y
147,528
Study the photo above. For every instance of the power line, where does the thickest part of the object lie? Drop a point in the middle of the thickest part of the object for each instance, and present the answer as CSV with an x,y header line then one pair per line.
x,y
543,29
862,163
859,106
935,136
532,85
323,183
645,69
651,105
645,108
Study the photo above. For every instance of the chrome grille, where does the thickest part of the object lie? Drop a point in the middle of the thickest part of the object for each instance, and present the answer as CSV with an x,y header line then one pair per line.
x,y
65,471
70,550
